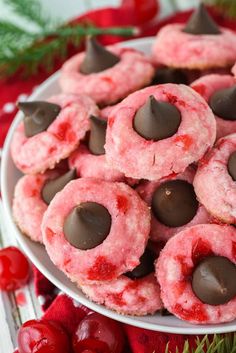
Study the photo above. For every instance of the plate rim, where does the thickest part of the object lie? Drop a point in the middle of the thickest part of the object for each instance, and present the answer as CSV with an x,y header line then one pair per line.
x,y
194,330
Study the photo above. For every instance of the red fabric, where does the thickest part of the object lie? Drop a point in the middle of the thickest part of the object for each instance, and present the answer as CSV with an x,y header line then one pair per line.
x,y
62,308
144,341
68,313
44,288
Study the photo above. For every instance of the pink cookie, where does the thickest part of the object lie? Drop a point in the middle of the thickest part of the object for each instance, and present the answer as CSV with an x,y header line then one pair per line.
x,y
132,72
206,86
134,293
121,249
28,206
92,166
127,296
160,231
32,195
42,151
175,270
178,49
214,186
137,157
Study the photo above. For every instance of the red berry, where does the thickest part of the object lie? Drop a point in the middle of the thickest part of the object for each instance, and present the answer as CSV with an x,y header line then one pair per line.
x,y
98,334
41,336
14,269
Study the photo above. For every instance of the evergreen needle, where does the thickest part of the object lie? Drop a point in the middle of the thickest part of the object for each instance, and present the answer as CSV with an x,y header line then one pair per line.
x,y
21,49
31,10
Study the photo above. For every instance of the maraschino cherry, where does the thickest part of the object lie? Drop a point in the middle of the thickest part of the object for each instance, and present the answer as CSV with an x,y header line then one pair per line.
x,y
41,336
14,269
98,334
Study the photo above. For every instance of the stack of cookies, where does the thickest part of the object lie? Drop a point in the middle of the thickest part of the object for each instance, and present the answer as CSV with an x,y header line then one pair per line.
x,y
130,173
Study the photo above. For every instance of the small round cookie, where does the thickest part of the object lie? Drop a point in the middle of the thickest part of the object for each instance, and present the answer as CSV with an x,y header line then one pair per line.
x,y
93,166
219,91
89,159
174,205
158,131
96,230
135,293
51,130
214,182
196,271
32,195
200,44
106,75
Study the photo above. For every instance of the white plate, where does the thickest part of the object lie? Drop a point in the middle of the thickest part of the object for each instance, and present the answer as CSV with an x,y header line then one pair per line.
x,y
39,257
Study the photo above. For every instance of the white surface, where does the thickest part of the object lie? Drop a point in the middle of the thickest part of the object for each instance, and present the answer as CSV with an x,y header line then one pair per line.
x,y
39,257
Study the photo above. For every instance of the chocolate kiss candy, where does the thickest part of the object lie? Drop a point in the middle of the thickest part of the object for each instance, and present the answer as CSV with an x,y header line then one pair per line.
x,y
156,120
165,312
213,280
174,203
97,58
201,23
87,225
51,187
97,135
232,165
222,103
38,116
145,267
169,75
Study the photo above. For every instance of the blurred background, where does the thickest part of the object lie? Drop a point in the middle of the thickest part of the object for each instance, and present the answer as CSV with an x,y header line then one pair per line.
x,y
66,9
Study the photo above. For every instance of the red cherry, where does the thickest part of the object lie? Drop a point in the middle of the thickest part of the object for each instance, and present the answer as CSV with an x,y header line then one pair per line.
x,y
41,336
98,334
14,269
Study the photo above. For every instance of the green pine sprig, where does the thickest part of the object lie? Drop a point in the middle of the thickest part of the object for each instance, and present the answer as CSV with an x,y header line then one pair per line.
x,y
219,344
28,50
228,7
31,10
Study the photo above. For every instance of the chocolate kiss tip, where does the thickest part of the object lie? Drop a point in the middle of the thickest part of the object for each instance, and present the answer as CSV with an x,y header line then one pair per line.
x,y
145,267
201,23
174,203
38,116
97,121
51,187
26,107
222,102
97,58
212,280
156,120
87,225
97,135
